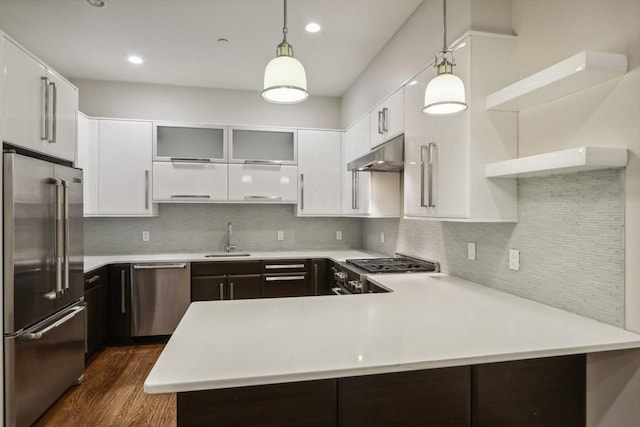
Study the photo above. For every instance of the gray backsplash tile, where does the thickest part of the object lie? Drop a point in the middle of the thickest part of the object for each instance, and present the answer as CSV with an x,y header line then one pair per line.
x,y
202,228
570,235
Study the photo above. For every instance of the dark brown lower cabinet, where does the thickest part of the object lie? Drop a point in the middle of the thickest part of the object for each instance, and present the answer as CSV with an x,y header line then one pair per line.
x,y
434,397
119,315
95,298
301,404
549,392
545,392
225,287
320,283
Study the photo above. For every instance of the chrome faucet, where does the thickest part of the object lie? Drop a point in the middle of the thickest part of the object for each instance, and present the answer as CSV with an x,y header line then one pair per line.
x,y
231,244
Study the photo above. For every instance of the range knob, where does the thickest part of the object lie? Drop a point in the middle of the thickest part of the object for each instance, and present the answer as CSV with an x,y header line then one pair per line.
x,y
339,276
356,284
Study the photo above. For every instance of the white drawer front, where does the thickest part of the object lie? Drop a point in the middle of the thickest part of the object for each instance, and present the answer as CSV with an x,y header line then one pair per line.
x,y
263,183
189,182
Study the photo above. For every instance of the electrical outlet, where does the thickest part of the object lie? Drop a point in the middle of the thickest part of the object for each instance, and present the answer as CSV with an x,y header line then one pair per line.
x,y
280,235
382,237
145,236
471,251
514,259
339,235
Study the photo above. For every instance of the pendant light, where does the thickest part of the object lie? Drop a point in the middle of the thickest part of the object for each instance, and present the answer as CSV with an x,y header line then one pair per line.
x,y
285,81
444,93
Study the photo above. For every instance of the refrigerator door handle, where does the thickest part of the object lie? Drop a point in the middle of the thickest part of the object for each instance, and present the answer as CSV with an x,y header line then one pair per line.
x,y
41,333
65,235
59,249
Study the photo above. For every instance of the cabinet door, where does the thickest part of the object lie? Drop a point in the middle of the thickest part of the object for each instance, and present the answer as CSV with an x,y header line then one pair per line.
x,y
88,161
92,313
189,182
176,141
119,302
285,285
245,286
125,168
263,145
387,119
355,185
23,99
263,183
320,284
208,288
434,397
319,159
63,103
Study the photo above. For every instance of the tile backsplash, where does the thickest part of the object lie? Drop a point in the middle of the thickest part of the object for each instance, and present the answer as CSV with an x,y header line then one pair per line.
x,y
570,235
203,227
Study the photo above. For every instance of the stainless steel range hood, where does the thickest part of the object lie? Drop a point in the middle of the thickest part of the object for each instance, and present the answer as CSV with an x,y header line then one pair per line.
x,y
389,157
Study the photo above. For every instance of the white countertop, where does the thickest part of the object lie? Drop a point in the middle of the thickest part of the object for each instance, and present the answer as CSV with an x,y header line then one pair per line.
x,y
429,321
93,262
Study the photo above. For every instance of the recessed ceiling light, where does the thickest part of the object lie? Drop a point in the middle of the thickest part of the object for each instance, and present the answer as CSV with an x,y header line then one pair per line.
x,y
222,40
135,60
96,3
312,27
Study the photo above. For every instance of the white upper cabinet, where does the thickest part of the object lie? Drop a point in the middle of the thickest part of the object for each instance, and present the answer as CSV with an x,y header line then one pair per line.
x,y
125,150
319,160
445,156
186,181
189,143
88,161
354,185
263,146
387,119
254,183
39,106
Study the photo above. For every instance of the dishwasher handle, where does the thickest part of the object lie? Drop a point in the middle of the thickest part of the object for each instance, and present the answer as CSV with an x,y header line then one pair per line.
x,y
159,266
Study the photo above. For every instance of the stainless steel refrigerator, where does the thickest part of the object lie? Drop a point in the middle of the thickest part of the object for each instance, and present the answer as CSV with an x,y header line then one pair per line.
x,y
44,319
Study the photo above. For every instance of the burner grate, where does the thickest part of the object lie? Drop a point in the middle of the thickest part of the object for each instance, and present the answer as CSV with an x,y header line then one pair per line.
x,y
392,265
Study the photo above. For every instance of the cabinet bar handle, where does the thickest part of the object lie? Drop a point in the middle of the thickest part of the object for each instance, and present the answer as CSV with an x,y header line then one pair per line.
x,y
146,189
190,196
263,197
263,162
423,159
221,291
282,266
44,134
283,278
190,160
385,115
231,290
159,266
355,190
315,279
54,112
430,166
380,113
123,289
92,280
301,191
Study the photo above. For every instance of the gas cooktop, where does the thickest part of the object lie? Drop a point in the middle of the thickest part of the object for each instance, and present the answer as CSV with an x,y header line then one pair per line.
x,y
399,264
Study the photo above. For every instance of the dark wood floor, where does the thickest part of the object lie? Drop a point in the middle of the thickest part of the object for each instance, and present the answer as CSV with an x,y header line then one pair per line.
x,y
111,394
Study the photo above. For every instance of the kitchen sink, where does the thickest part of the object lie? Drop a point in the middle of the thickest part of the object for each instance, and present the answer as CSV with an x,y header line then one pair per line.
x,y
226,254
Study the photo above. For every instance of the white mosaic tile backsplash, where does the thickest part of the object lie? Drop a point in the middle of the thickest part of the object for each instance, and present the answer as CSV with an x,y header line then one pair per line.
x,y
570,236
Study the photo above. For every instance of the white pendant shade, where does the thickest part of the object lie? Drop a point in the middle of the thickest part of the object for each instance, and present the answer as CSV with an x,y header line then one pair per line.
x,y
285,81
444,95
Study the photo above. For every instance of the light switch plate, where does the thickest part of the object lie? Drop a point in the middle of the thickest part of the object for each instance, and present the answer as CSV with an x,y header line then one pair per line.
x,y
339,235
145,236
514,259
280,235
471,251
382,237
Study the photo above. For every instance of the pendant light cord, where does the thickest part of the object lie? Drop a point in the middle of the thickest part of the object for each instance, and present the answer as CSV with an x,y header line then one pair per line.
x,y
284,29
444,26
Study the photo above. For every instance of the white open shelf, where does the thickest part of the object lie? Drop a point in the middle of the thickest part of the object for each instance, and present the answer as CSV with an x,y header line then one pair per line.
x,y
571,75
565,161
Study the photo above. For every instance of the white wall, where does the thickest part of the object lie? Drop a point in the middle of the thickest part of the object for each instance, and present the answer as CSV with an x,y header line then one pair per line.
x,y
200,105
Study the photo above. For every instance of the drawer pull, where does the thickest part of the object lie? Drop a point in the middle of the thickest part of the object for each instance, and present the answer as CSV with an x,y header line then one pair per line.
x,y
92,280
190,160
190,196
283,278
282,266
263,197
263,162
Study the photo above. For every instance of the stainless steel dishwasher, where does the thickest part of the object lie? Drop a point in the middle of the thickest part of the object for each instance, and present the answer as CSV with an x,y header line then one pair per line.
x,y
160,294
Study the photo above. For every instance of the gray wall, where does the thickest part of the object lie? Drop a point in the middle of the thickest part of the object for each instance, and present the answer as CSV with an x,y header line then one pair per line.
x,y
570,235
202,228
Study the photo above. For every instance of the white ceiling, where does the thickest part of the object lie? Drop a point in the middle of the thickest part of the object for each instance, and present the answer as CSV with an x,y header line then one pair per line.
x,y
178,39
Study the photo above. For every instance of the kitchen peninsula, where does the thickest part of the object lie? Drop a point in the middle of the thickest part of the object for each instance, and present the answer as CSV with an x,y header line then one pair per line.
x,y
461,349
